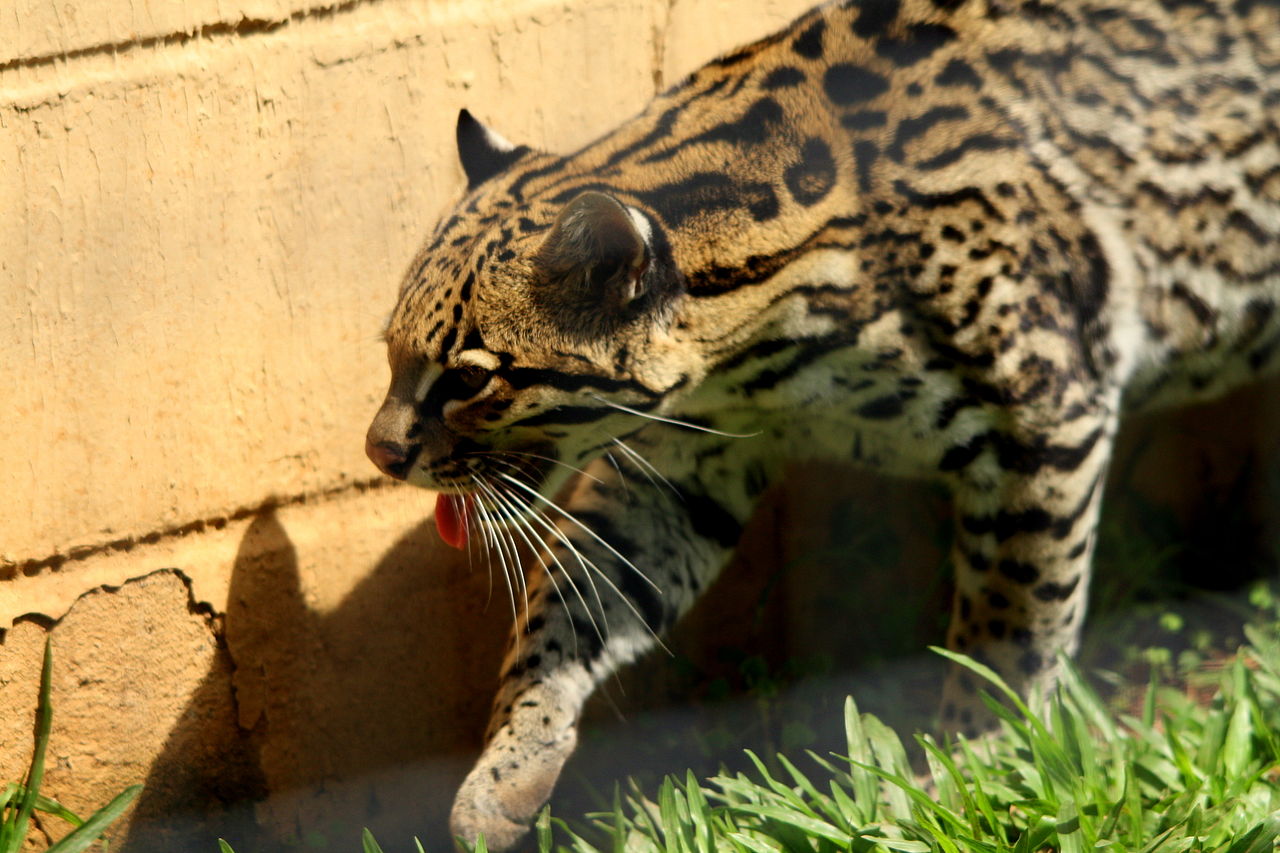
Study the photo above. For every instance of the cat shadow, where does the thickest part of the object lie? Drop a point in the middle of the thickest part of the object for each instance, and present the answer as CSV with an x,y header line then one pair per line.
x,y
311,725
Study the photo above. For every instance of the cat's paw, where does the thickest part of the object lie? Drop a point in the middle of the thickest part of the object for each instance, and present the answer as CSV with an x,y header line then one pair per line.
x,y
504,791
477,812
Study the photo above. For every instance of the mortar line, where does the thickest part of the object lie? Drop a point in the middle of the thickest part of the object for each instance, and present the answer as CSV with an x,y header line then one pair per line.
x,y
245,27
80,553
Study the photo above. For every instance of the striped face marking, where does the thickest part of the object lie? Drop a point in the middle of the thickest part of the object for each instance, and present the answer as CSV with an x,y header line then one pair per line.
x,y
429,376
477,358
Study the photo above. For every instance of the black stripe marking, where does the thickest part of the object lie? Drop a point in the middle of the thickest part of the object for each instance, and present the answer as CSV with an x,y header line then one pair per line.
x,y
755,126
565,415
959,456
710,519
847,84
809,43
933,201
874,17
1029,457
709,192
525,377
811,179
814,350
1018,572
864,120
883,408
958,73
920,41
1050,591
916,126
517,186
783,77
977,142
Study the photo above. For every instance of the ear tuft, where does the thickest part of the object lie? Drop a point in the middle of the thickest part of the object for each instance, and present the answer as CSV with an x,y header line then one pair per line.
x,y
483,152
598,249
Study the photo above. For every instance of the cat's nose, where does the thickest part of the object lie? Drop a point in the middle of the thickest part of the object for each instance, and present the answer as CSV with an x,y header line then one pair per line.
x,y
392,459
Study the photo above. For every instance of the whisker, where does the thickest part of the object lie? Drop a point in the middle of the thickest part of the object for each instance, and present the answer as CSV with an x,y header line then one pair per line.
x,y
646,467
526,469
562,464
584,562
466,533
603,576
514,567
672,421
511,466
626,488
568,516
513,501
512,547
502,559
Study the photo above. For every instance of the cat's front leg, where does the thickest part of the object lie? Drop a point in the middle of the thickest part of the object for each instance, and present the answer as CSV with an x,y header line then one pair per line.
x,y
1026,501
632,560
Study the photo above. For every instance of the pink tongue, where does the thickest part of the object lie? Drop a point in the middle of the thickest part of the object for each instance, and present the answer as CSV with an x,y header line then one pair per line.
x,y
451,519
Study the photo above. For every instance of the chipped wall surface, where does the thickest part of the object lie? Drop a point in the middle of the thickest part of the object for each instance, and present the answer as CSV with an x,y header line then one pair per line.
x,y
208,206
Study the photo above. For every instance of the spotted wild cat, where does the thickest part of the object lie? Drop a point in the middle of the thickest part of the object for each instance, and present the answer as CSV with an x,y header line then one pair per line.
x,y
942,238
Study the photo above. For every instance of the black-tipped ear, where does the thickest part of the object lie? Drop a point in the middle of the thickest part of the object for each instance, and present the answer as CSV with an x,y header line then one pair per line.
x,y
598,250
483,152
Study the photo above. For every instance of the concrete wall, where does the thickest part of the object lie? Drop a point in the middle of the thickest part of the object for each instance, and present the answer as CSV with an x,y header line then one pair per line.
x,y
206,210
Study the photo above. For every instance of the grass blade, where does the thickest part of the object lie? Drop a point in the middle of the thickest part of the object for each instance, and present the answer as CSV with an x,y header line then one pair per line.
x,y
92,828
16,830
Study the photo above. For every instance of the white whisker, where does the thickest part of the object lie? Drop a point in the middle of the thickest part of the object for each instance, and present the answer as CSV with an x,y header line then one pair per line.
x,y
646,467
584,562
523,523
672,421
486,522
572,468
630,605
626,488
504,530
569,517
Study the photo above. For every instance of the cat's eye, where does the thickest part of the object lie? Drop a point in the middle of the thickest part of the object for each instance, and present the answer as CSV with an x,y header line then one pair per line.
x,y
473,376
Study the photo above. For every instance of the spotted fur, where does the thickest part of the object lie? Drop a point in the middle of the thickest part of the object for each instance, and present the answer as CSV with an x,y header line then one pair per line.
x,y
942,238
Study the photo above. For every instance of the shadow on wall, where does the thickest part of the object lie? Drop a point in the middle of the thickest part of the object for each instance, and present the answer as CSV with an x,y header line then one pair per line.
x,y
369,715
363,716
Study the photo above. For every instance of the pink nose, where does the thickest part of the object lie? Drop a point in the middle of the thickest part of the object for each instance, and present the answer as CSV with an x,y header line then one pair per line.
x,y
392,459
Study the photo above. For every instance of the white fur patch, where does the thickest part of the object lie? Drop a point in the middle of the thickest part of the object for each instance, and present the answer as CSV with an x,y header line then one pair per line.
x,y
497,140
483,359
641,222
428,378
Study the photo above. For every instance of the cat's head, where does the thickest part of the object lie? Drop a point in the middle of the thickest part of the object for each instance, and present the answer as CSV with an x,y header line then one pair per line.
x,y
534,319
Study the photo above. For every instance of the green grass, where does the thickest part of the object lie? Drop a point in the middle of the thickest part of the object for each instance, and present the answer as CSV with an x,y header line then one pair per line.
x,y
20,801
1174,776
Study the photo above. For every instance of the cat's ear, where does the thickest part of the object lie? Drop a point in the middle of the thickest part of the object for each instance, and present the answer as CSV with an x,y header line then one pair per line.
x,y
483,152
600,248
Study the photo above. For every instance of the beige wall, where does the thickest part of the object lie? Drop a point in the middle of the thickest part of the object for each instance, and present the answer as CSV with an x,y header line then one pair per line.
x,y
206,209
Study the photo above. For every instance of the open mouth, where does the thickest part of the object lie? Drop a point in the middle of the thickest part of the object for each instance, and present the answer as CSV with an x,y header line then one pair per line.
x,y
509,485
453,519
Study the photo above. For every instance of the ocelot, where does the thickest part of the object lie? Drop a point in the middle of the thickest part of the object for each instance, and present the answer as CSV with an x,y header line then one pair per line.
x,y
942,238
